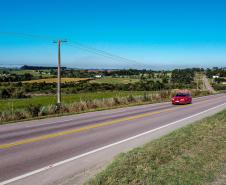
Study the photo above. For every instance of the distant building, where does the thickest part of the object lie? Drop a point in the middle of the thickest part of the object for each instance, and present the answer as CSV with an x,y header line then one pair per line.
x,y
98,76
215,76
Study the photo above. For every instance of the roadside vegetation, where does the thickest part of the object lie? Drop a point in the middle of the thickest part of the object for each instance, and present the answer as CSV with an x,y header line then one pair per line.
x,y
194,154
45,100
22,111
33,88
217,78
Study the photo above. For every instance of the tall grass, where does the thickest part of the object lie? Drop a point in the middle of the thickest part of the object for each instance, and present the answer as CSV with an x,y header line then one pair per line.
x,y
33,111
8,104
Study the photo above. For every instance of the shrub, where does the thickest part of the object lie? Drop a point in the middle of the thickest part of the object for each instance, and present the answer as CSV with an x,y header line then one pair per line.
x,y
20,93
146,97
34,110
5,93
219,87
4,116
116,100
19,115
64,108
130,98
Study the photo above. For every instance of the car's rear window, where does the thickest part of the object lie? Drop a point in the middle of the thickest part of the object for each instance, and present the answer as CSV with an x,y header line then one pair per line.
x,y
181,95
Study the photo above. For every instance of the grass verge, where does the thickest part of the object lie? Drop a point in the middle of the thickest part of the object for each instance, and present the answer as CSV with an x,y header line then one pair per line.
x,y
195,154
9,104
34,111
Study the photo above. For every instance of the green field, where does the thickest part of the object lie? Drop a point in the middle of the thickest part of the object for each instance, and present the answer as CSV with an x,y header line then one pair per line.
x,y
9,104
112,80
195,154
54,80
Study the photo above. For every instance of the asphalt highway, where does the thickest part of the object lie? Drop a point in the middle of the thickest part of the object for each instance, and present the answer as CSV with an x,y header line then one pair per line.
x,y
30,148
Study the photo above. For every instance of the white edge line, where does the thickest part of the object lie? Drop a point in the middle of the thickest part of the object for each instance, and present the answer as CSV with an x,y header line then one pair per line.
x,y
102,148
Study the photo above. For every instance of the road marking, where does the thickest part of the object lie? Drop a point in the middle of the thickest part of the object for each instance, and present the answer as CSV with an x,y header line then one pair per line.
x,y
82,129
104,147
74,119
48,136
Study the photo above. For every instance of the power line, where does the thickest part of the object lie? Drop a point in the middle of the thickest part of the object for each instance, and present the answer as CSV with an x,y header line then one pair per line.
x,y
76,45
105,54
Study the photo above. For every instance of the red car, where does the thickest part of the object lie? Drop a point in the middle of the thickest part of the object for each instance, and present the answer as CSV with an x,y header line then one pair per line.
x,y
182,98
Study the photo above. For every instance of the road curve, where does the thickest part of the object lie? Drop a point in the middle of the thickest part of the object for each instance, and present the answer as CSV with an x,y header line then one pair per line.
x,y
29,151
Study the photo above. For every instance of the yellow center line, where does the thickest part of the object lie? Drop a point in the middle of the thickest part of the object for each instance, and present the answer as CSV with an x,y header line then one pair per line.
x,y
86,128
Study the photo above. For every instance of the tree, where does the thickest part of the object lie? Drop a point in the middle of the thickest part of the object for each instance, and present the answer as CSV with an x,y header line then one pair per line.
x,y
5,93
182,76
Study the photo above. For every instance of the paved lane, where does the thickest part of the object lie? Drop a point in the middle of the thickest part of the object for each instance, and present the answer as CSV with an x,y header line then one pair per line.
x,y
31,145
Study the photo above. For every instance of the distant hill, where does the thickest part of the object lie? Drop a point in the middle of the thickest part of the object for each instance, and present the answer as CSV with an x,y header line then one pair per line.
x,y
26,67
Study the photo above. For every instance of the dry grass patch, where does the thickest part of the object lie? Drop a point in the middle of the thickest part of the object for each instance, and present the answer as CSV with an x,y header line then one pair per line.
x,y
54,80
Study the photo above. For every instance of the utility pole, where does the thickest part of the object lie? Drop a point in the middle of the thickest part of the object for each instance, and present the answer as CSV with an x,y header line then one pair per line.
x,y
59,71
197,87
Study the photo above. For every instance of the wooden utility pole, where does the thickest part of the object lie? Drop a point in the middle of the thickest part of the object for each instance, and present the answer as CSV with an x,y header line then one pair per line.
x,y
59,71
59,75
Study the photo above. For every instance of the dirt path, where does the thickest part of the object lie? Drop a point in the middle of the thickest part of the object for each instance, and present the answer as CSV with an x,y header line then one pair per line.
x,y
207,85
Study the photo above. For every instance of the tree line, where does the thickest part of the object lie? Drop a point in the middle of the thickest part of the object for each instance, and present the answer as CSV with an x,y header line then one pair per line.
x,y
221,72
12,77
179,78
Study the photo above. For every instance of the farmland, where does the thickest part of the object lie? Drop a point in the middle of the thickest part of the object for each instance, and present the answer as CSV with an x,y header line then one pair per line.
x,y
27,94
10,104
54,80
113,80
109,80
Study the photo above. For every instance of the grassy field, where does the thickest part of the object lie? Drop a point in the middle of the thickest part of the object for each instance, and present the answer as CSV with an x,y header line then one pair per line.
x,y
195,154
112,80
54,80
10,104
44,73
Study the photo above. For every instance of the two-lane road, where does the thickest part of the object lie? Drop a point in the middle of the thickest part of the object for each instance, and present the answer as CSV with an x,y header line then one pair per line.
x,y
35,151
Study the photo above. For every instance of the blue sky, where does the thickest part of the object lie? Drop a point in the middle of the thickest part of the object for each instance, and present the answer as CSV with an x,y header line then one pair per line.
x,y
155,33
